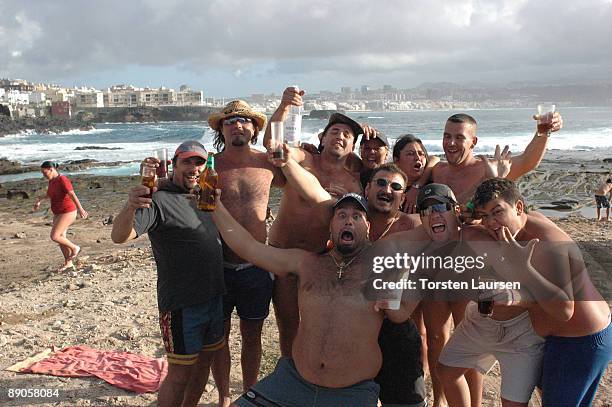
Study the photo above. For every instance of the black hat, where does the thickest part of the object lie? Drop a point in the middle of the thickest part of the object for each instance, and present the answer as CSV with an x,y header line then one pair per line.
x,y
440,192
49,164
379,136
361,201
340,118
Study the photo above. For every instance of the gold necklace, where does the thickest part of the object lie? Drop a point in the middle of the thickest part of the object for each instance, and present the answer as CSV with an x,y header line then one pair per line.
x,y
342,266
384,233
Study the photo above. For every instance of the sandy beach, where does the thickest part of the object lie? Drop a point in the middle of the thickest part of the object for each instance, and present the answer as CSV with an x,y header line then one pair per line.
x,y
109,302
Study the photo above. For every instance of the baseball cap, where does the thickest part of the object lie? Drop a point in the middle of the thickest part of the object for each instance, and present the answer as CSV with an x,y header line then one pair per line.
x,y
191,148
379,136
342,119
361,201
440,192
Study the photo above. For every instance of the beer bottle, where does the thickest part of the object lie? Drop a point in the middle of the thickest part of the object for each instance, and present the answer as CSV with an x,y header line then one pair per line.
x,y
209,181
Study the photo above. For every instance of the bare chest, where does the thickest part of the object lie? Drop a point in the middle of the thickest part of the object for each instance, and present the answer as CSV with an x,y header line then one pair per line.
x,y
462,180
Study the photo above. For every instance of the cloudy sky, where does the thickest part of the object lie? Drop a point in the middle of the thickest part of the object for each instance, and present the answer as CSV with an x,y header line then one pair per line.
x,y
239,47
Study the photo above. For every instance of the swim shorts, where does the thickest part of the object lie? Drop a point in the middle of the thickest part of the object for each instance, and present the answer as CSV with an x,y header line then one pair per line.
x,y
479,341
602,201
249,290
191,330
573,367
285,387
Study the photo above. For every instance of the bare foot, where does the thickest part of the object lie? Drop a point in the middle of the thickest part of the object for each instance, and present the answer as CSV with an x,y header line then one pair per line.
x,y
65,267
74,254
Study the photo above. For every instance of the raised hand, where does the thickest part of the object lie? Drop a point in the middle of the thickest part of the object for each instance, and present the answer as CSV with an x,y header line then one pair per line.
x,y
510,259
292,97
369,132
498,166
137,197
280,162
556,122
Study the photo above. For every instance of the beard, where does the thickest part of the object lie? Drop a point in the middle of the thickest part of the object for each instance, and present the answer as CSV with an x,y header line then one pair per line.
x,y
345,249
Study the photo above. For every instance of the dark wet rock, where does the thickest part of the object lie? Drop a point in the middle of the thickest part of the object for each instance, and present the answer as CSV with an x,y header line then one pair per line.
x,y
607,160
562,205
42,125
97,148
14,194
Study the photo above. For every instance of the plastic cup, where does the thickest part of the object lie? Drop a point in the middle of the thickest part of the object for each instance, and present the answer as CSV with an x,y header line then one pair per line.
x,y
277,139
162,155
545,115
393,297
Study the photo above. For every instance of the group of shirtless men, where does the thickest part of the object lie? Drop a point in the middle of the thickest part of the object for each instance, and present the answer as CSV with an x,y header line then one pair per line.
x,y
338,346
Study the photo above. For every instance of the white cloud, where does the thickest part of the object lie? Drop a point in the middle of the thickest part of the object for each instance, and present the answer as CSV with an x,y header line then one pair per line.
x,y
272,40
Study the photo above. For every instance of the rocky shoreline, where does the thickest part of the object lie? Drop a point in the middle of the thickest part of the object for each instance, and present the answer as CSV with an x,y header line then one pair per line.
x,y
8,167
42,125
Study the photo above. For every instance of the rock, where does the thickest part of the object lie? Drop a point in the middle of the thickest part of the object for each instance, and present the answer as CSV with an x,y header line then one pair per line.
x,y
19,235
91,268
72,287
14,194
96,148
108,221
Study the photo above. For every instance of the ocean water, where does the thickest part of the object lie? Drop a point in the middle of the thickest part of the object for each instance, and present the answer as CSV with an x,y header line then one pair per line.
x,y
584,129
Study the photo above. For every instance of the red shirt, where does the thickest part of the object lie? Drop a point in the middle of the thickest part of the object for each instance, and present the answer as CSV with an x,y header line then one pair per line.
x,y
58,192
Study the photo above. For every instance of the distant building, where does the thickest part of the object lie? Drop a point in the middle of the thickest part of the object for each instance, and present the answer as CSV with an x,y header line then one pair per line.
x,y
190,98
38,97
88,98
16,97
61,109
345,90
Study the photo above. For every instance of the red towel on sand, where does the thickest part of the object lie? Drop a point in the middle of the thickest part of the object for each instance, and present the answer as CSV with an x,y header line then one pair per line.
x,y
126,370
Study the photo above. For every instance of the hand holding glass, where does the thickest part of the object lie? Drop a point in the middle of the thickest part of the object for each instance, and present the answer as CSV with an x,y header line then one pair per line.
x,y
545,116
277,139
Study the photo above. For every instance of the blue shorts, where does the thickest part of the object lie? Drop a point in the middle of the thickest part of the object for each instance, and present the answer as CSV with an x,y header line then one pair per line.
x,y
249,290
285,387
573,367
602,201
191,330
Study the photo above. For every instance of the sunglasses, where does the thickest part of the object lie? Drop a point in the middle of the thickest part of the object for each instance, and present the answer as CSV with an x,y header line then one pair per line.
x,y
396,186
239,119
439,208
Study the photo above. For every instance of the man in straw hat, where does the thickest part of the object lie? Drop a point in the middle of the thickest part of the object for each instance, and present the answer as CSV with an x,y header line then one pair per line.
x,y
290,229
246,177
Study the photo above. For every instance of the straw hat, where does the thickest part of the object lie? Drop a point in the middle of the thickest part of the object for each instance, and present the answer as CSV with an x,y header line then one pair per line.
x,y
236,108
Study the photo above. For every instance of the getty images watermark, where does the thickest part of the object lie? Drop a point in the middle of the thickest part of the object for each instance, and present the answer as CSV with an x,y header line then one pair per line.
x,y
401,265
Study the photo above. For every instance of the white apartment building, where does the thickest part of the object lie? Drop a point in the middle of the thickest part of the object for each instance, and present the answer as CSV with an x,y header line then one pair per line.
x,y
190,98
130,96
16,97
59,94
88,98
38,97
